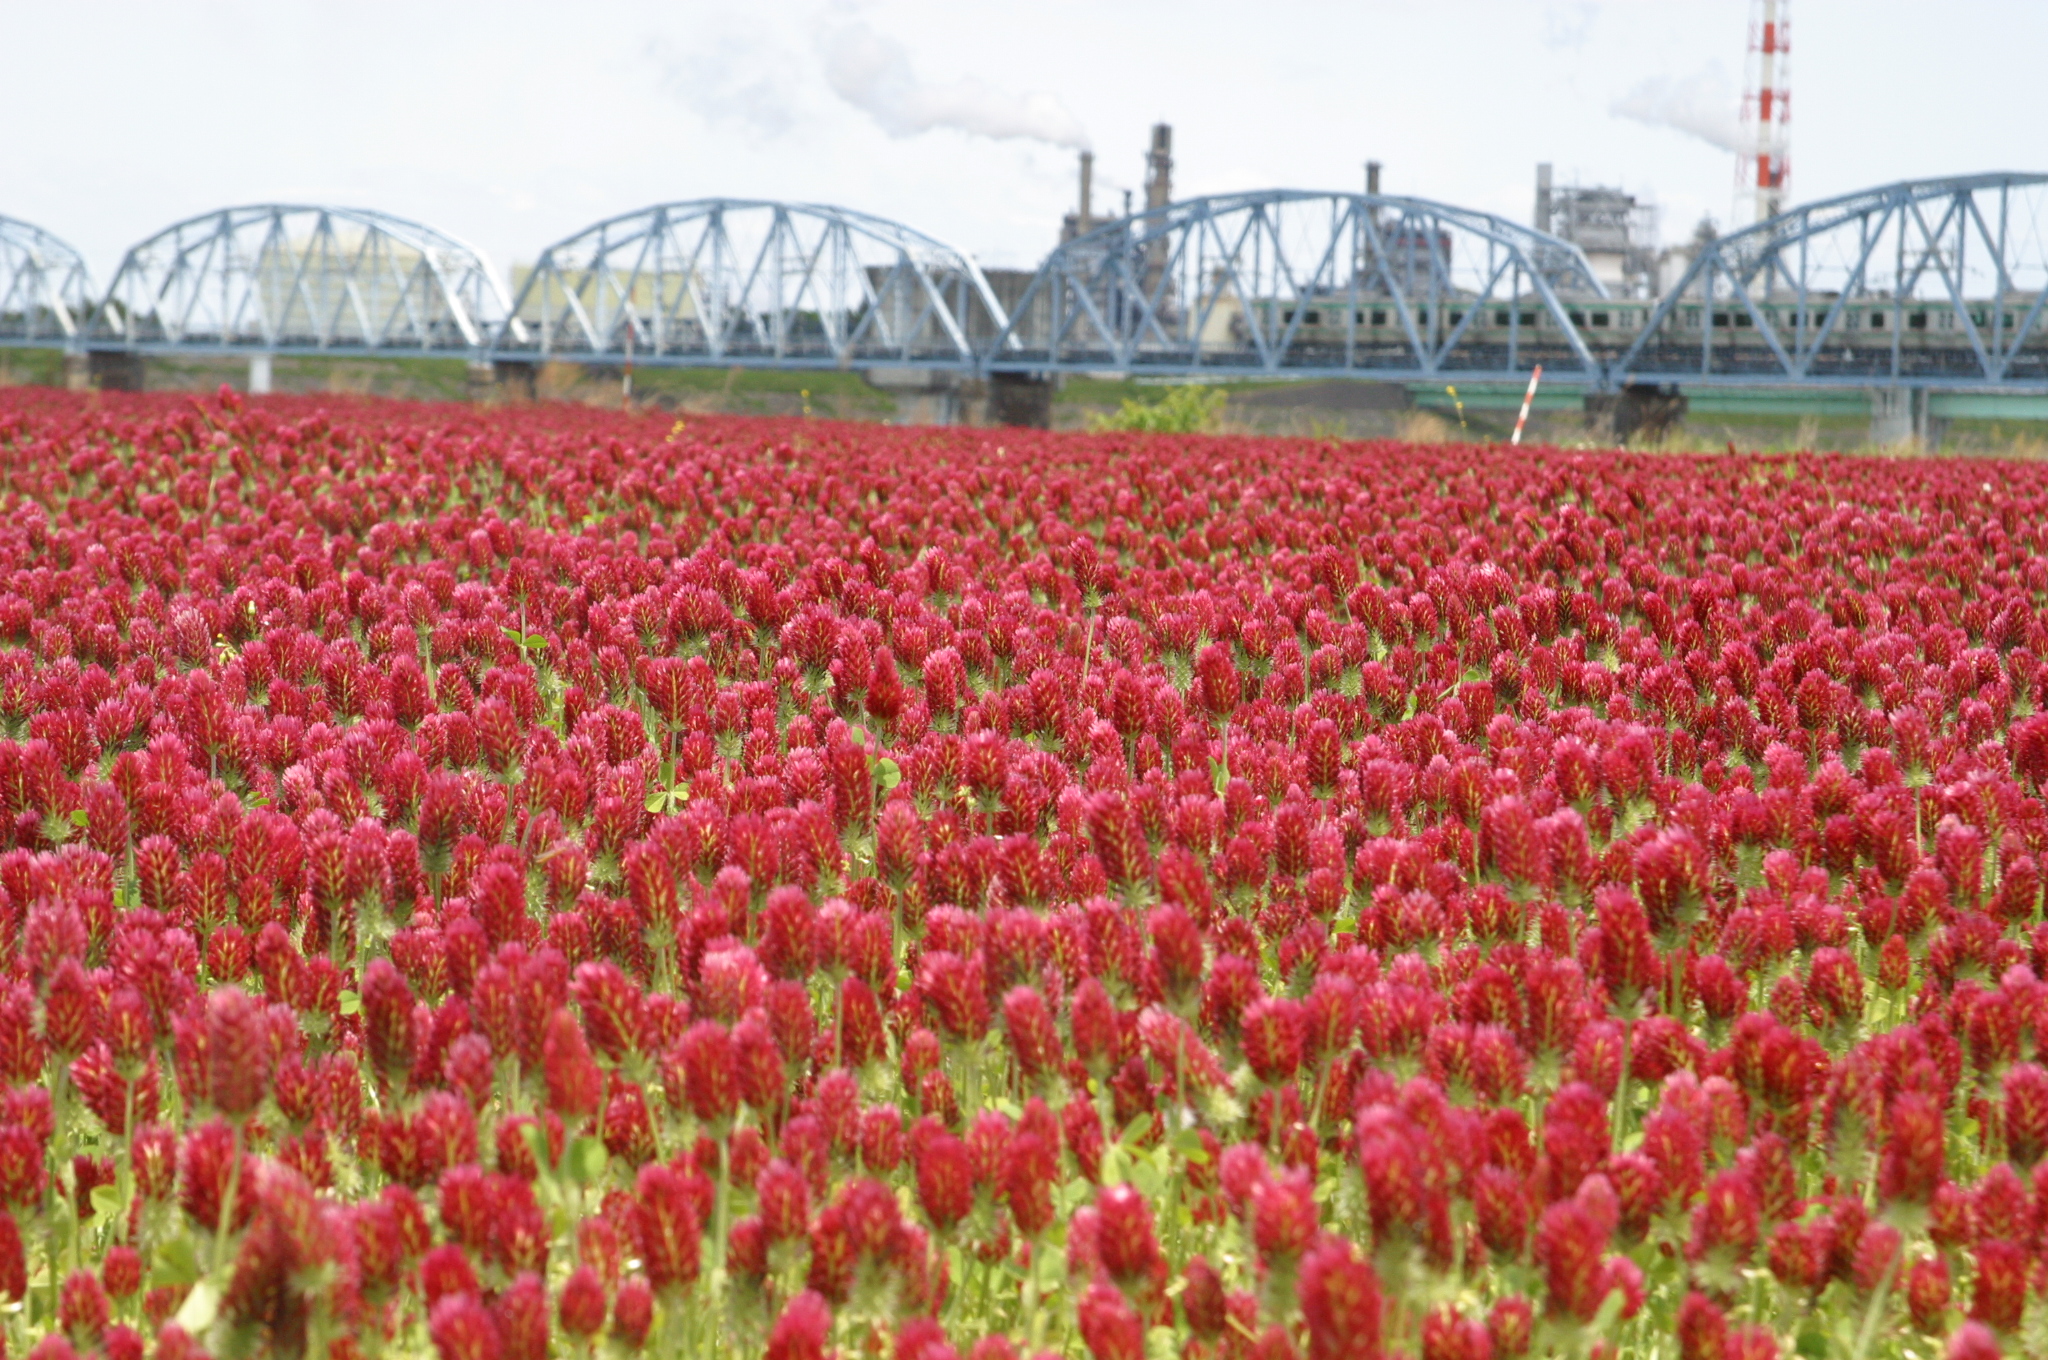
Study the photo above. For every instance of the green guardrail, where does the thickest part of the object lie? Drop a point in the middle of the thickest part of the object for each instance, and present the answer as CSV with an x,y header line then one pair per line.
x,y
1726,402
1723,401
1988,406
1493,397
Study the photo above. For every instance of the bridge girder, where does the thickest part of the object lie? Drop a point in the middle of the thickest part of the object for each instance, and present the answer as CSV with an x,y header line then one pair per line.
x,y
1924,282
1241,283
45,292
290,278
754,282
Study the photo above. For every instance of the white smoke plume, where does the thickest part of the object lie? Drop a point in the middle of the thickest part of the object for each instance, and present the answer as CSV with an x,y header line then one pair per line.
x,y
873,73
1703,105
727,78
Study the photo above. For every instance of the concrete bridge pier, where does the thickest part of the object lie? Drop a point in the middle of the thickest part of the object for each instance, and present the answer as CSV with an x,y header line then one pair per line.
x,y
517,379
1021,399
1645,410
1898,415
115,370
925,396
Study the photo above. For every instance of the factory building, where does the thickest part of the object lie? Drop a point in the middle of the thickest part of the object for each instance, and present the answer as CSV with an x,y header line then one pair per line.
x,y
1617,232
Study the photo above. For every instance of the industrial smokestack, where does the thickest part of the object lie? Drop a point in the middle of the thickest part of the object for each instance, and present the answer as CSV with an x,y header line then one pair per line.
x,y
1159,167
1087,191
1158,193
1372,177
1768,102
1543,197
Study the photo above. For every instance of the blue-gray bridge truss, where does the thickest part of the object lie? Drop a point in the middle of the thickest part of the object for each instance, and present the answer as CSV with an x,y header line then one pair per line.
x,y
732,281
1304,284
45,292
1928,284
1933,283
287,279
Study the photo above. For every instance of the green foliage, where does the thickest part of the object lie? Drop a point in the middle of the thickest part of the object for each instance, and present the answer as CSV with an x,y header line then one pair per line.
x,y
1187,409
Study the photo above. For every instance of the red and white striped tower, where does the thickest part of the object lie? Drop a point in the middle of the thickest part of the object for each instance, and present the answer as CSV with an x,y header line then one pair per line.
x,y
1767,108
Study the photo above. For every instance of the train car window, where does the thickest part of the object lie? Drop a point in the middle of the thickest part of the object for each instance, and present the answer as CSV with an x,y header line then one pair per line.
x,y
1528,318
1600,318
1500,318
1720,318
1578,318
1379,317
1918,321
1456,317
1878,321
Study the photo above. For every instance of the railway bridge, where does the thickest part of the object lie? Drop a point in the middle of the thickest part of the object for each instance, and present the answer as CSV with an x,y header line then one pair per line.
x,y
1926,294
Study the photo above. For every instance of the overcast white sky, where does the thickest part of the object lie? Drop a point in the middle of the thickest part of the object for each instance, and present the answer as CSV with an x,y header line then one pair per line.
x,y
515,123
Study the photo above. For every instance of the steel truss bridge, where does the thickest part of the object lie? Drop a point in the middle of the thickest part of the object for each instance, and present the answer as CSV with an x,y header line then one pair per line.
x,y
1930,284
289,279
727,281
45,293
1302,283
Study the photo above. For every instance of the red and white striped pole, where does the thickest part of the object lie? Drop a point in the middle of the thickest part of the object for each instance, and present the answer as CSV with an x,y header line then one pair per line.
x,y
1768,101
1528,399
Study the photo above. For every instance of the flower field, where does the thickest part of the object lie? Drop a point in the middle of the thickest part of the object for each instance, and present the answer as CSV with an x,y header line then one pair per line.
x,y
553,882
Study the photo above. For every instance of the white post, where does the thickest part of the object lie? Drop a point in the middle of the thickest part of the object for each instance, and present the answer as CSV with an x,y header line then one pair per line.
x,y
1528,398
259,374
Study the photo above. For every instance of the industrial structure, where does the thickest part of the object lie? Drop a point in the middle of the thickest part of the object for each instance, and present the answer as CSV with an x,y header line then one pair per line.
x,y
1617,234
1082,220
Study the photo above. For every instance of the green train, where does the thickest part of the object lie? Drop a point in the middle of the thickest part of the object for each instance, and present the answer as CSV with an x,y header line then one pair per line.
x,y
1614,324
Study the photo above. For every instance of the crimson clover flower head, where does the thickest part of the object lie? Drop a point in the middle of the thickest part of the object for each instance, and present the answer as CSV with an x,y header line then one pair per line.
x,y
462,1328
1110,1326
1126,1241
633,1312
238,1053
802,1330
1341,1300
